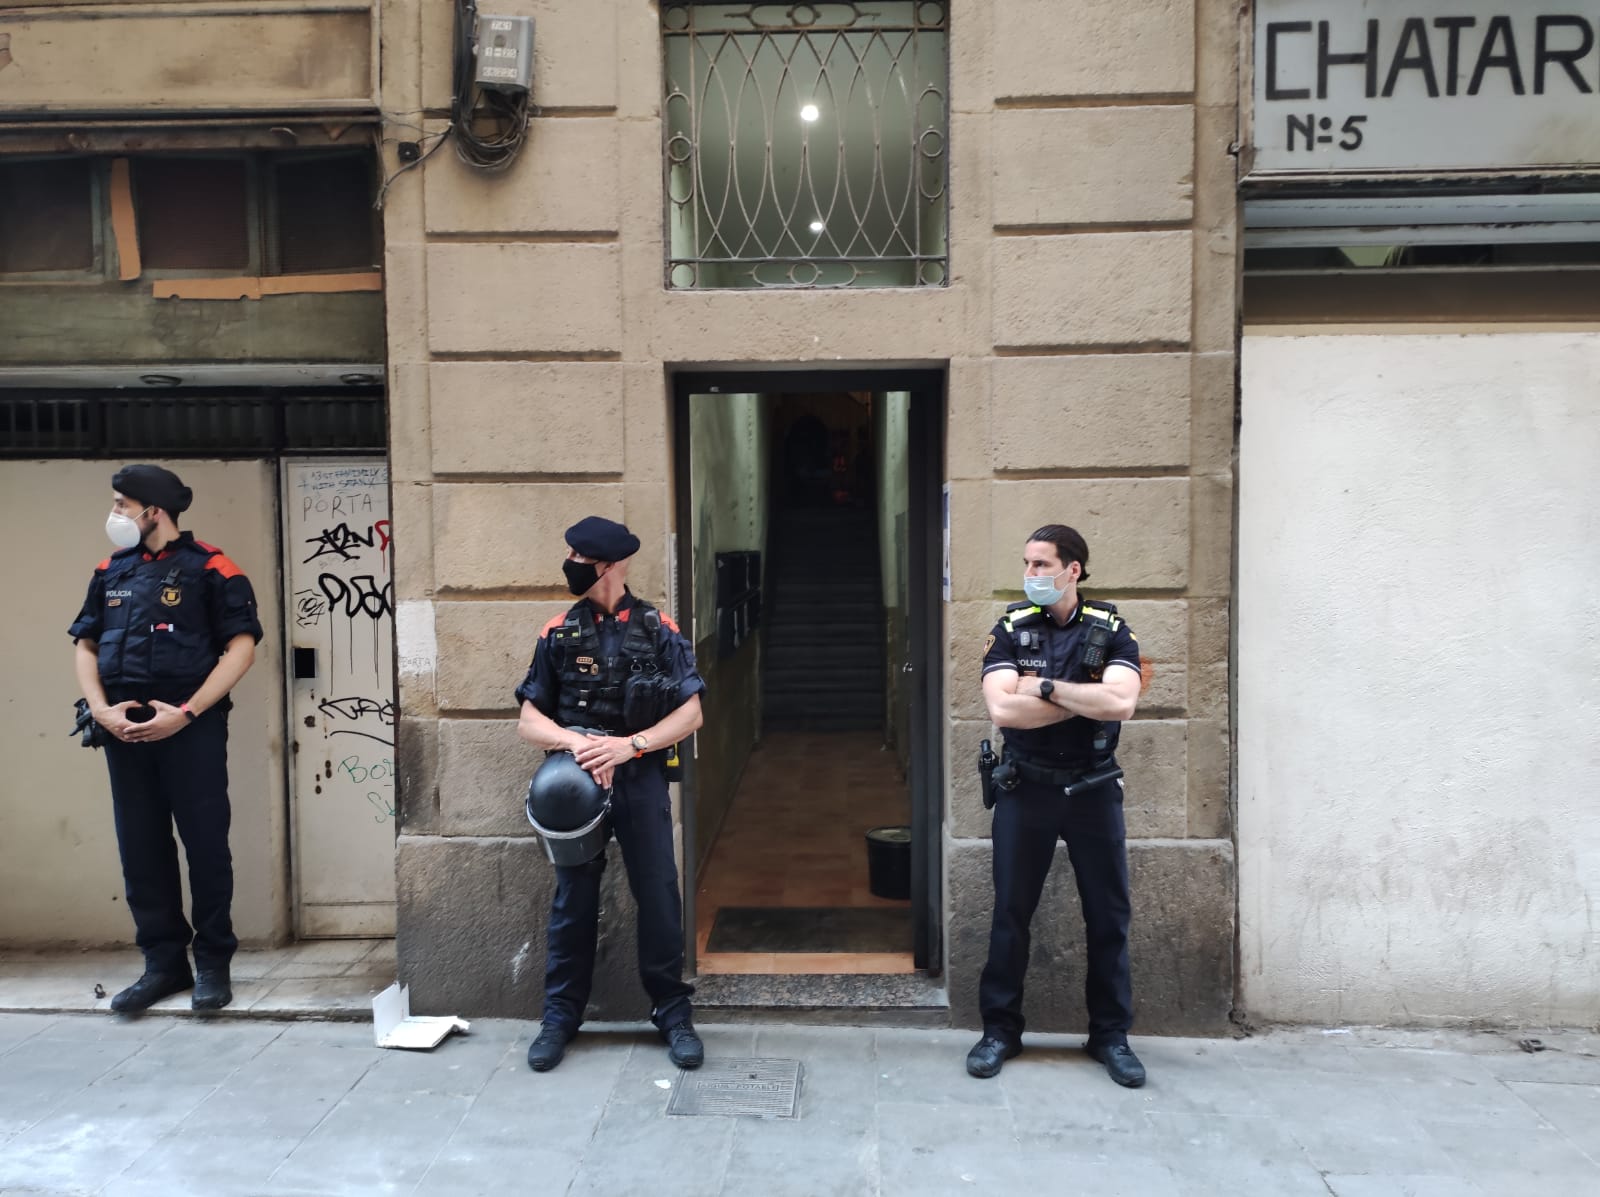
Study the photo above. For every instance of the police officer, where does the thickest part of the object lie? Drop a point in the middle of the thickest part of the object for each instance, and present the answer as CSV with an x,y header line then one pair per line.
x,y
618,669
167,629
1059,673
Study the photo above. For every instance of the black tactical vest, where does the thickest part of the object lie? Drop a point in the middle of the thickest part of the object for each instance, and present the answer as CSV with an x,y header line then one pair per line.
x,y
592,683
156,639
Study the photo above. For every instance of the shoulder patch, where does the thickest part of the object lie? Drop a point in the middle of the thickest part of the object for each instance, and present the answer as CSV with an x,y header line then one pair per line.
x,y
555,622
989,644
223,565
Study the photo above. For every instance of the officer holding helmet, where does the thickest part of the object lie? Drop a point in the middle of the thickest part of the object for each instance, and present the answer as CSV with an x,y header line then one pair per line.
x,y
167,629
613,682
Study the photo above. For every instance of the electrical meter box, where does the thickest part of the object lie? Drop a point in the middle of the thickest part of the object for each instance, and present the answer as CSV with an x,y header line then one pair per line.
x,y
505,53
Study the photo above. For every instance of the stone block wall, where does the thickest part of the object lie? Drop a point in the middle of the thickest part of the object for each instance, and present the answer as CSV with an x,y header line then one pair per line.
x,y
1089,335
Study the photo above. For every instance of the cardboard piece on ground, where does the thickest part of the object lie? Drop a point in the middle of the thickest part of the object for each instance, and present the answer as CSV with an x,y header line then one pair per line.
x,y
394,1026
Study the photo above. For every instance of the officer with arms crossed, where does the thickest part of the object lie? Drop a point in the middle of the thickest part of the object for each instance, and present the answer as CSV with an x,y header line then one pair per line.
x,y
618,669
168,628
1059,674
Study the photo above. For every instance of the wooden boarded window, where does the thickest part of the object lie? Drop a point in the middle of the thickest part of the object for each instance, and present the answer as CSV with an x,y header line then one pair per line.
x,y
324,214
193,213
47,219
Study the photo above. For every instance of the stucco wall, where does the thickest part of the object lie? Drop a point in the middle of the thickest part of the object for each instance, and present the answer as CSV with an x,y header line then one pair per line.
x,y
1419,679
58,849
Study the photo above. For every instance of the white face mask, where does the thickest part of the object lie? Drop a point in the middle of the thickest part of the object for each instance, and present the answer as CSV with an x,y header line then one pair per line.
x,y
123,530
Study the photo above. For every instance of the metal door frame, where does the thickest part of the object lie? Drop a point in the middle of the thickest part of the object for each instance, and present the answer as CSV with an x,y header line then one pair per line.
x,y
928,387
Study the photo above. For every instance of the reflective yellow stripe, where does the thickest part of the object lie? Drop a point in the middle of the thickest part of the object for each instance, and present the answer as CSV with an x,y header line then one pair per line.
x,y
1101,613
1010,615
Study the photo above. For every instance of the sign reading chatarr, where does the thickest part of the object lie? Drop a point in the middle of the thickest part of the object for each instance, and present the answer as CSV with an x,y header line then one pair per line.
x,y
1373,86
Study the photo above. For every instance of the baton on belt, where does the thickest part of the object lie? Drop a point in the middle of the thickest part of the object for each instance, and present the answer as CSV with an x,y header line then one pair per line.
x,y
1092,780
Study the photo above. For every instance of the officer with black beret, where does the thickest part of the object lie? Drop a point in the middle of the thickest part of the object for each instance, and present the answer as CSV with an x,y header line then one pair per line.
x,y
614,682
167,629
1060,672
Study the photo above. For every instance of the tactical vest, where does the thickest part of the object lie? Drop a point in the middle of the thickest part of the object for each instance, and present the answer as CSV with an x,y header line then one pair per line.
x,y
1021,620
1090,739
591,683
156,638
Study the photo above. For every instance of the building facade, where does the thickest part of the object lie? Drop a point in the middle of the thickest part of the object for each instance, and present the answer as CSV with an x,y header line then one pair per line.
x,y
791,289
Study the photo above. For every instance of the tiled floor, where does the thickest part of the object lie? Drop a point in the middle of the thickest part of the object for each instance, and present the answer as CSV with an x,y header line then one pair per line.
x,y
796,836
330,978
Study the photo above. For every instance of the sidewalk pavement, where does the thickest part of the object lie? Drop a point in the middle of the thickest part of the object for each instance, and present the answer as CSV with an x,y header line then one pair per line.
x,y
93,1103
329,978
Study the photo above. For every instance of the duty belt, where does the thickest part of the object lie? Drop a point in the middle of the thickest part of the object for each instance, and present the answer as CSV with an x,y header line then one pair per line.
x,y
1070,780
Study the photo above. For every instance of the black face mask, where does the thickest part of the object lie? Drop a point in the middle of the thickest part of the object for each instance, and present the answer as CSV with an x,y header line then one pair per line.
x,y
581,575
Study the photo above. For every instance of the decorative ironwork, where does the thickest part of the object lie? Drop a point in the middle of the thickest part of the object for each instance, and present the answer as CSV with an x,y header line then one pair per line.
x,y
805,144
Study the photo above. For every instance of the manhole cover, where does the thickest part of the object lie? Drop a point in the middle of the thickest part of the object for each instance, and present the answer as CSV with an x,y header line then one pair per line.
x,y
739,1088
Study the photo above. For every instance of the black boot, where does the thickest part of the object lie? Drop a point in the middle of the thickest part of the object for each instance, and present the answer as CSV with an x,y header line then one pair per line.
x,y
211,990
1121,1064
989,1055
150,989
545,1052
683,1046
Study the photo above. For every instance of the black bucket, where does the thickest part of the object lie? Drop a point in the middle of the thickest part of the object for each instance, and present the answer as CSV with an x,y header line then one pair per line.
x,y
889,862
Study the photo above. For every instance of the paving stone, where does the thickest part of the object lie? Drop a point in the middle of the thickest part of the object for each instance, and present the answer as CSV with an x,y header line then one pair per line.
x,y
380,1141
1502,1160
1572,1109
1400,1186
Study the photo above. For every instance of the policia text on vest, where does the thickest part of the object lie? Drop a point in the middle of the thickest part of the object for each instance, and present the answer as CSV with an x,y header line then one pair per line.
x,y
167,628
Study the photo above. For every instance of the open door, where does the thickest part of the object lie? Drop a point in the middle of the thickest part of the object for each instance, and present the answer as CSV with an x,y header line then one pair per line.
x,y
809,566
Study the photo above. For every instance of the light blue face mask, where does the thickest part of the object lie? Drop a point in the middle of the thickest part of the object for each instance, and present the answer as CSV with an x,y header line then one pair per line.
x,y
1041,591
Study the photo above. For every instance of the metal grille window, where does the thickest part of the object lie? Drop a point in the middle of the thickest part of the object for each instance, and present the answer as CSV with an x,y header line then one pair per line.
x,y
806,144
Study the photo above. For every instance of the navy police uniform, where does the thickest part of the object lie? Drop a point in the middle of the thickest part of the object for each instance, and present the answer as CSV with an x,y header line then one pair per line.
x,y
1029,819
161,622
576,678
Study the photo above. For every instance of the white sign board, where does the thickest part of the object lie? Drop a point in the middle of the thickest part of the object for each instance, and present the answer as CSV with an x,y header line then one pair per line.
x,y
1357,86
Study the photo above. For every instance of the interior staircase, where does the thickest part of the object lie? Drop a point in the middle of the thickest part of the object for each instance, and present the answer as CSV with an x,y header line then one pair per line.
x,y
824,621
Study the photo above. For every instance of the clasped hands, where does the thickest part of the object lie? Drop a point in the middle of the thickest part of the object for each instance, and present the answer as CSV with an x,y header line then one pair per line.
x,y
168,721
601,755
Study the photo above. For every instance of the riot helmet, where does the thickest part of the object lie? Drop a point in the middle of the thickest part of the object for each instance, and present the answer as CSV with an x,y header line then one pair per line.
x,y
569,810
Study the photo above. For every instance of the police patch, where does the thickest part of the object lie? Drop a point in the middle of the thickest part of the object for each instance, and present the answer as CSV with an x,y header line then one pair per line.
x,y
990,643
171,596
113,602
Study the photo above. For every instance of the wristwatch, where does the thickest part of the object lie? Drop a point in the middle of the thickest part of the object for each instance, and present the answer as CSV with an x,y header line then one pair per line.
x,y
1046,689
640,743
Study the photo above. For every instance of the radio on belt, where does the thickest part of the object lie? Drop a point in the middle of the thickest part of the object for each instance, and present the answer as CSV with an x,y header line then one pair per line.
x,y
505,53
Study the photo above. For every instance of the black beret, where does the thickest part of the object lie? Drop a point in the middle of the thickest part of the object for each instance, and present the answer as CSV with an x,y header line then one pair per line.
x,y
602,539
153,485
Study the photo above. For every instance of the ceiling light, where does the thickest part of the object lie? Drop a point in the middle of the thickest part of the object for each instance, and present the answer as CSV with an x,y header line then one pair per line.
x,y
160,380
809,112
817,226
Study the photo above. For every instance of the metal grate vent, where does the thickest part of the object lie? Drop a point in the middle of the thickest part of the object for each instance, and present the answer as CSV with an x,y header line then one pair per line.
x,y
225,424
739,1089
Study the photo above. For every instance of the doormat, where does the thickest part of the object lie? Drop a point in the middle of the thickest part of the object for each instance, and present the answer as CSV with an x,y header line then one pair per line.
x,y
739,1088
811,929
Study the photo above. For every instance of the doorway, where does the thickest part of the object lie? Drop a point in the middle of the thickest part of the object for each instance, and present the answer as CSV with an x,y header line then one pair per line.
x,y
339,621
808,559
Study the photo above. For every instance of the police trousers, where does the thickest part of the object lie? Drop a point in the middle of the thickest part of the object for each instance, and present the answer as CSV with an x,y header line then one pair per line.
x,y
1027,823
181,780
641,821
